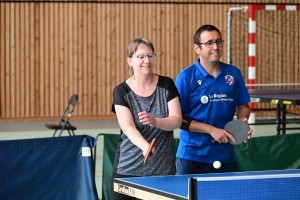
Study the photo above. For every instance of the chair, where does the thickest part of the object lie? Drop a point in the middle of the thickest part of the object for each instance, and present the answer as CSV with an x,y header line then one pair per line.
x,y
64,123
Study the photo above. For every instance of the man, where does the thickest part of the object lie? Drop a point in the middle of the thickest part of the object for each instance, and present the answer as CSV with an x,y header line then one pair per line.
x,y
211,92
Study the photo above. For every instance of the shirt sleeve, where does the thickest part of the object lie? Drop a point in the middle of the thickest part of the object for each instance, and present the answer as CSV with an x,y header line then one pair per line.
x,y
173,92
119,94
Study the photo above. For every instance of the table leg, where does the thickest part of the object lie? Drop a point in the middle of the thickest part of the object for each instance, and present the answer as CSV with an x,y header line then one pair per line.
x,y
283,118
278,116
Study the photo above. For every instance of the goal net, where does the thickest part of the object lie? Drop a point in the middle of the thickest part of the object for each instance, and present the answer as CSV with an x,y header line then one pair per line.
x,y
265,46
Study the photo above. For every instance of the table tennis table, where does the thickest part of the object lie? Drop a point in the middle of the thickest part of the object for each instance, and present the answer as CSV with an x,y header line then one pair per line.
x,y
281,98
273,184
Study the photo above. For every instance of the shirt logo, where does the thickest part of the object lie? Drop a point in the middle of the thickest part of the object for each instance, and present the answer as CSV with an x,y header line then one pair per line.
x,y
204,99
199,81
229,79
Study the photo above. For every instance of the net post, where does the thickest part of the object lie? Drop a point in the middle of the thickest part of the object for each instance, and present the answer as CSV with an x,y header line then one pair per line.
x,y
192,187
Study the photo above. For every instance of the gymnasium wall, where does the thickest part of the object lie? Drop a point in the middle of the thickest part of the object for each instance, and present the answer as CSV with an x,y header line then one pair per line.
x,y
52,49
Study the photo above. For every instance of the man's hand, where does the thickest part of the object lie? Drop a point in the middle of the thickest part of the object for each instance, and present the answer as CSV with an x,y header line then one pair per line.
x,y
250,129
221,135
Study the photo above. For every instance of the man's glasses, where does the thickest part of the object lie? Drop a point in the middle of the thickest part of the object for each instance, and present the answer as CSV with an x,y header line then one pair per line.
x,y
210,43
150,56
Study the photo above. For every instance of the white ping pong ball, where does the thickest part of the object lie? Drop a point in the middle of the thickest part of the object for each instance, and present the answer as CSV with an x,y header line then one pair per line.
x,y
217,164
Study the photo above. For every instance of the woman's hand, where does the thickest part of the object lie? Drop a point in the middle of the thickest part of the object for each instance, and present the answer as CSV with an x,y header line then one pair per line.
x,y
146,118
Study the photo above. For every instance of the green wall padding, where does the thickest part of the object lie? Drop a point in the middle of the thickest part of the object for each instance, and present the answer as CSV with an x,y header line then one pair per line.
x,y
110,142
269,153
259,153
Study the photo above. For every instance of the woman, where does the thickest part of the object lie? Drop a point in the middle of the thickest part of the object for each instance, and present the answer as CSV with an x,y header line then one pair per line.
x,y
147,107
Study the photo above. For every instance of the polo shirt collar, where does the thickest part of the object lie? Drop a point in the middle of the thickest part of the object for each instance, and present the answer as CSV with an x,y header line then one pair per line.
x,y
202,70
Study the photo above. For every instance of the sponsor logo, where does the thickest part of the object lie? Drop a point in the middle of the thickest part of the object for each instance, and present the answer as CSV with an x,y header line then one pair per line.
x,y
255,99
204,99
219,98
287,102
229,79
126,190
275,101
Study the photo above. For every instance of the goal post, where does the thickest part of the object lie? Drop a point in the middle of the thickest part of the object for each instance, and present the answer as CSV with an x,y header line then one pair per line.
x,y
263,42
281,23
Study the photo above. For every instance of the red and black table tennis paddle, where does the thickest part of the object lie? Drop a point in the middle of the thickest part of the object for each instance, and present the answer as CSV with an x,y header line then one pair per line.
x,y
238,129
149,152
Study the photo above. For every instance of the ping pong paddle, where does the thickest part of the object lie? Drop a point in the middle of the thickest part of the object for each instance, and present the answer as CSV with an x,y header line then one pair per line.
x,y
149,151
238,129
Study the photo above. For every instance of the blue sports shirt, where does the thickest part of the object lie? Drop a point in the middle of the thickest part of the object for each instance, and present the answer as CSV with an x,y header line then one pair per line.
x,y
213,101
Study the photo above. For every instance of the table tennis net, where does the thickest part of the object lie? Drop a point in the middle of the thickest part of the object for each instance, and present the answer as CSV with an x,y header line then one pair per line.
x,y
255,187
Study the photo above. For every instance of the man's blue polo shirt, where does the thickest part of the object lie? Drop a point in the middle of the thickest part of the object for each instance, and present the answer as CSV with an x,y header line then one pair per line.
x,y
213,101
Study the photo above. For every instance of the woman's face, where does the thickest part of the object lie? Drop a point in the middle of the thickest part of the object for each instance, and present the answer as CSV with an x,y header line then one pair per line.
x,y
142,61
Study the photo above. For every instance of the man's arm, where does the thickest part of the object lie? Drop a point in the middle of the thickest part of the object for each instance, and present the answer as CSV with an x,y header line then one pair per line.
x,y
218,134
243,112
196,126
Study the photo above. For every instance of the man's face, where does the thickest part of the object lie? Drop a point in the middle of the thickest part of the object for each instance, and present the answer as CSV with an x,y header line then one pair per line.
x,y
210,52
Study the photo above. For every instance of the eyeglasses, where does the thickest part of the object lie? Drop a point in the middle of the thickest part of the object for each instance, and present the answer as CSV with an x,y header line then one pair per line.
x,y
150,56
210,43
